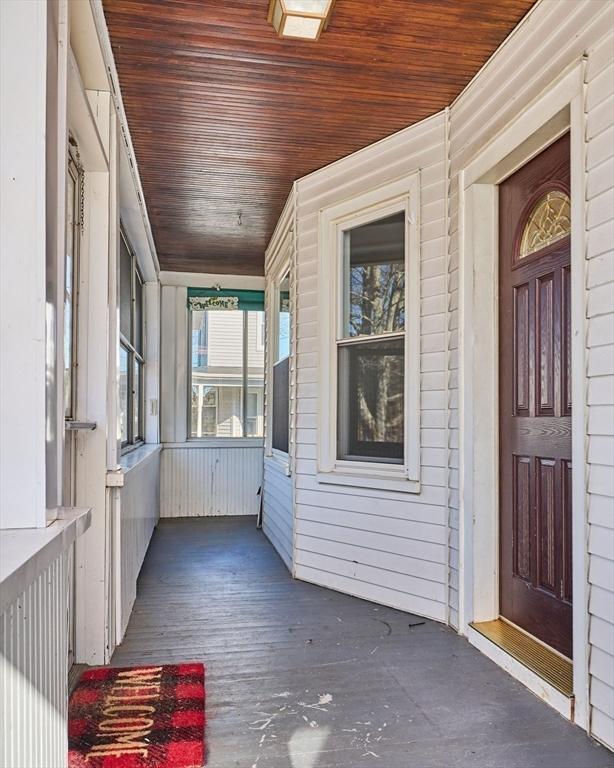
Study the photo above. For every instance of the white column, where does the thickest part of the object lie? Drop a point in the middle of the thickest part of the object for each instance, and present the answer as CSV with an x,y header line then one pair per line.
x,y
152,362
23,311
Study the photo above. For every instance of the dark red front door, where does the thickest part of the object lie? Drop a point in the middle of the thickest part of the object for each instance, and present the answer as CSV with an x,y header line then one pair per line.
x,y
535,398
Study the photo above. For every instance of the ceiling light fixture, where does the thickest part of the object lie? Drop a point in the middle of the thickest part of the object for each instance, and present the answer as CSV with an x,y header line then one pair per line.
x,y
303,19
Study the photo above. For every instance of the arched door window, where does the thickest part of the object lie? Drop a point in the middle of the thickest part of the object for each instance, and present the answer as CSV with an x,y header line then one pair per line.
x,y
548,222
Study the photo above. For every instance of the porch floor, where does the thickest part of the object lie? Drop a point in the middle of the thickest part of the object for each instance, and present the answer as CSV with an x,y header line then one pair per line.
x,y
302,677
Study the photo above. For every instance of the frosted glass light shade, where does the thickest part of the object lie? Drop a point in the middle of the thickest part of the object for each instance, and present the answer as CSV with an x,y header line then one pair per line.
x,y
303,19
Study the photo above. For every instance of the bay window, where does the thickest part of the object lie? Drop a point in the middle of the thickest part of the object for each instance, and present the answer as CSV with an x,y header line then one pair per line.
x,y
369,390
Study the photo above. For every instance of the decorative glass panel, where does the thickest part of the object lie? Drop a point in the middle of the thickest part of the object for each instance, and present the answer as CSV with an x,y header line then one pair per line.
x,y
375,277
550,220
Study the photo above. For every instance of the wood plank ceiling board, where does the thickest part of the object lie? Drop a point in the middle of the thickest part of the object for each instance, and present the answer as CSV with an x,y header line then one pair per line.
x,y
225,115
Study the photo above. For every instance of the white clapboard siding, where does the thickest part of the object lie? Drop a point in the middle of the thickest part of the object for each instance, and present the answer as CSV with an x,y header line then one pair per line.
x,y
139,510
554,36
388,547
33,672
277,519
207,481
278,506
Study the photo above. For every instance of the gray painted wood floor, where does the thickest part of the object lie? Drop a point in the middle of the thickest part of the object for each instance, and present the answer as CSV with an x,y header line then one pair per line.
x,y
302,677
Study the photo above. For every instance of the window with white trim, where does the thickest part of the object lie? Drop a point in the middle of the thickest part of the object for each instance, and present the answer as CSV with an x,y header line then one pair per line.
x,y
131,353
370,314
226,382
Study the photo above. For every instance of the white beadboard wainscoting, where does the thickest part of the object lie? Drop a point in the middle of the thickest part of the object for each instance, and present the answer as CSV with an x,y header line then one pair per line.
x,y
139,511
201,481
385,546
34,569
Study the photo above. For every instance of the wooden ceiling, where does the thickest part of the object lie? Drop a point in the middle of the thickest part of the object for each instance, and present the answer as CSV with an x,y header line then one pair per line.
x,y
224,115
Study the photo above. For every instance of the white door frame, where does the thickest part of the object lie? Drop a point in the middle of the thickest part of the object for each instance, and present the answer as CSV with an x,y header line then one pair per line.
x,y
558,109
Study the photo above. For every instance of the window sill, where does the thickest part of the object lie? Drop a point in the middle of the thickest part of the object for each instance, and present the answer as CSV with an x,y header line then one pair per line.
x,y
130,461
26,552
140,455
219,442
366,480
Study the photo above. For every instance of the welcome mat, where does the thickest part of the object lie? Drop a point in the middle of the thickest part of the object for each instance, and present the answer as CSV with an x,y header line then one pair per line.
x,y
138,717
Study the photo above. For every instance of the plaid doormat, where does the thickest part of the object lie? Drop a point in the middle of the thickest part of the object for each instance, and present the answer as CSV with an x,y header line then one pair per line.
x,y
138,717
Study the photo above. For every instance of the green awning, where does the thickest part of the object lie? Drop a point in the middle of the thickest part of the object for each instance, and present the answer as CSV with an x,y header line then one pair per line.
x,y
225,299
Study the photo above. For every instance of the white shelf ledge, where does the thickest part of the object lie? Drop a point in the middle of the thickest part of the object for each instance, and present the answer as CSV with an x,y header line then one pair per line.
x,y
26,552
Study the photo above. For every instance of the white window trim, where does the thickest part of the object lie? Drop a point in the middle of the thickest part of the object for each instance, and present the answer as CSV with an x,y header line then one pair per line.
x,y
401,195
278,270
213,440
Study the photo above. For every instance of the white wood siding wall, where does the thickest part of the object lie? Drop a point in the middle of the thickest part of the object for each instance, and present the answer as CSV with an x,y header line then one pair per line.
x,y
389,547
210,481
33,672
555,35
139,510
278,488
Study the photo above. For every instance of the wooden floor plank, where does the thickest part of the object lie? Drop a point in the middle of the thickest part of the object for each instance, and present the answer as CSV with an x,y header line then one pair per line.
x,y
302,677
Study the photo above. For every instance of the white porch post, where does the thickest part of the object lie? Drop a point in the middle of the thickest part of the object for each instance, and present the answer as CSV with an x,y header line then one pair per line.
x,y
24,314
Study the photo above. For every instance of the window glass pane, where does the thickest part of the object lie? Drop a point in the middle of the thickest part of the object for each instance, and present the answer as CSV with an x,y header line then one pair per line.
x,y
281,397
203,411
374,257
253,412
283,340
123,394
255,374
125,290
370,401
137,408
138,313
217,363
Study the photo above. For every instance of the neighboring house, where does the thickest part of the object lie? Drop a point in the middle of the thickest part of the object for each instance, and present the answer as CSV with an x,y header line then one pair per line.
x,y
217,401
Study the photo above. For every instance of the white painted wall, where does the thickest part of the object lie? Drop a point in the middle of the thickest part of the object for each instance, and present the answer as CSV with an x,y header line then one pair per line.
x,y
278,487
139,511
390,547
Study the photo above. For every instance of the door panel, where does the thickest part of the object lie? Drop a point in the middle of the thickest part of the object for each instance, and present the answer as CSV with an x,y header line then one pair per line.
x,y
535,398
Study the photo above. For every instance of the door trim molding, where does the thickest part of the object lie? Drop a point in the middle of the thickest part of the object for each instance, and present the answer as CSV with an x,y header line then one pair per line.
x,y
559,108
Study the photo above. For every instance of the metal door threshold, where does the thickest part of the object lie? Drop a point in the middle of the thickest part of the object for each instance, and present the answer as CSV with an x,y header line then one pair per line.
x,y
551,666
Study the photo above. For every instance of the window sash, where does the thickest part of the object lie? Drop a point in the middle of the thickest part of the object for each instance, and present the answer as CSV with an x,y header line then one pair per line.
x,y
246,389
343,340
136,394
